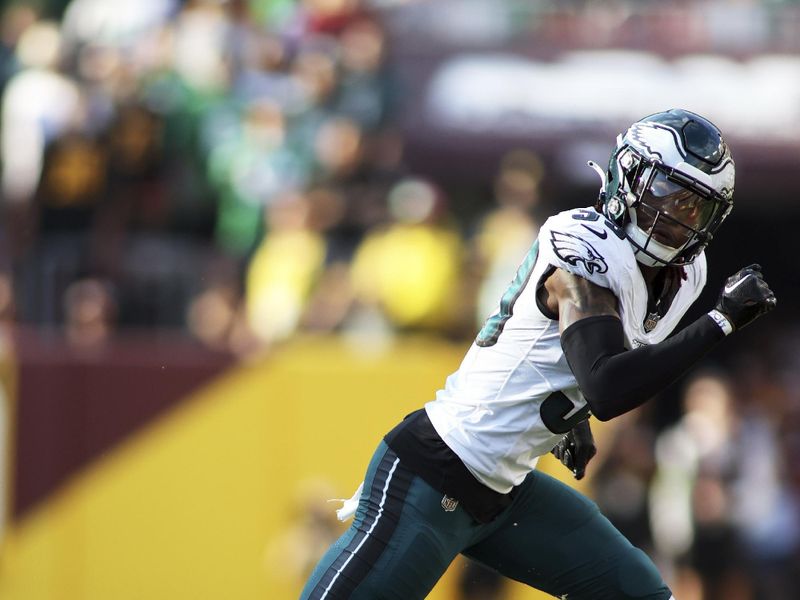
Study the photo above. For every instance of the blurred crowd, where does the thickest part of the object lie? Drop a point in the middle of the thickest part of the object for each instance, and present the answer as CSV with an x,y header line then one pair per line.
x,y
234,170
715,495
229,169
186,166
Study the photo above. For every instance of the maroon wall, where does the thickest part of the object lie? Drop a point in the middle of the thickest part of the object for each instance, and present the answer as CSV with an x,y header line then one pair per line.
x,y
75,404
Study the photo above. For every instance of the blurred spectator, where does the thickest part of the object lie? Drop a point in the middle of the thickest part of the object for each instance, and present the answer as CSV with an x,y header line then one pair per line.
x,y
249,171
283,269
216,318
507,232
313,75
363,91
103,22
332,297
781,569
691,499
360,170
6,298
136,195
338,148
719,505
73,184
201,34
327,15
409,270
90,313
135,166
15,19
59,246
40,103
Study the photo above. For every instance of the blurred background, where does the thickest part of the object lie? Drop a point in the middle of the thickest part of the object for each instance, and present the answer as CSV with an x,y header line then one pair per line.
x,y
240,239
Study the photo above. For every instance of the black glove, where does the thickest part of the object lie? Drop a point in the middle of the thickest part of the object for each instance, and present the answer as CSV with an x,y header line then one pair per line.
x,y
745,297
576,449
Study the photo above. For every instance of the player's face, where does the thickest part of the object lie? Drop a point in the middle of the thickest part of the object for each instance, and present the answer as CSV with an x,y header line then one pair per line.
x,y
672,212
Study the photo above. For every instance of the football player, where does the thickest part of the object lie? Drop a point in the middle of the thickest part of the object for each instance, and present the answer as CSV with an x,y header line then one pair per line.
x,y
584,329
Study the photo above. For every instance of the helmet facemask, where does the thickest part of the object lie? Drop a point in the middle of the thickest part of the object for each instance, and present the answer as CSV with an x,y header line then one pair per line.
x,y
672,217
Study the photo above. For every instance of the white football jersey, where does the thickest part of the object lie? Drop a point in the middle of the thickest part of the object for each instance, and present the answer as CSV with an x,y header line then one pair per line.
x,y
514,395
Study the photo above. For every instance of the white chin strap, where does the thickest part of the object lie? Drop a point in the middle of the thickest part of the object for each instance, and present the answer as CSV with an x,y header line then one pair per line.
x,y
640,240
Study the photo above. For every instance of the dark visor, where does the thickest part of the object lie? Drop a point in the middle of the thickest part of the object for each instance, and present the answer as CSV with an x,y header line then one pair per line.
x,y
675,201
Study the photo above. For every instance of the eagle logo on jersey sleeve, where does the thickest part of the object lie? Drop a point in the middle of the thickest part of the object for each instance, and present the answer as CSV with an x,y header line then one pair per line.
x,y
573,250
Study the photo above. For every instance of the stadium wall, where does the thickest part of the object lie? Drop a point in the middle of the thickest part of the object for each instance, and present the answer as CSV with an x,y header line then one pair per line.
x,y
223,495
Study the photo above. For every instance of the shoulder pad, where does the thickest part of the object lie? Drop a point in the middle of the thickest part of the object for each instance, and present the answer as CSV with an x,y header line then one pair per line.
x,y
586,244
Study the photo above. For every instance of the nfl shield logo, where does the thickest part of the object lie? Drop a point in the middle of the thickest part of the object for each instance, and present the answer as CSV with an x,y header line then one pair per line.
x,y
651,321
449,504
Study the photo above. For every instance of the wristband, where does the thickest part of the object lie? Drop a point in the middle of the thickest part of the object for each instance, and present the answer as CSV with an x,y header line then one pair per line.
x,y
721,320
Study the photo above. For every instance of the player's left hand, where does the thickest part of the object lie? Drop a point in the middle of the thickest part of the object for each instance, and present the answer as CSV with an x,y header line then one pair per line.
x,y
576,449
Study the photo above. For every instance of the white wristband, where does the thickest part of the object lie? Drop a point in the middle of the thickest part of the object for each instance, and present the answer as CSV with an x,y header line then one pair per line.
x,y
722,321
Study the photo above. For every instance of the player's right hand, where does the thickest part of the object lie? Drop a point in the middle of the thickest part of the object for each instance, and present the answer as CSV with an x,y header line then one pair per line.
x,y
745,297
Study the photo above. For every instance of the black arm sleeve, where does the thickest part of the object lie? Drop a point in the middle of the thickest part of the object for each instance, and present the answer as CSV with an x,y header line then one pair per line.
x,y
615,380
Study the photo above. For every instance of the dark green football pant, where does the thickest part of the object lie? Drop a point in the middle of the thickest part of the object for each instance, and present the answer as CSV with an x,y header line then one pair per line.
x,y
551,538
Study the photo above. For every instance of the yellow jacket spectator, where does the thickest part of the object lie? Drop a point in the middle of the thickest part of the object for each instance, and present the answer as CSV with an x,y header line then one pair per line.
x,y
411,269
283,271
